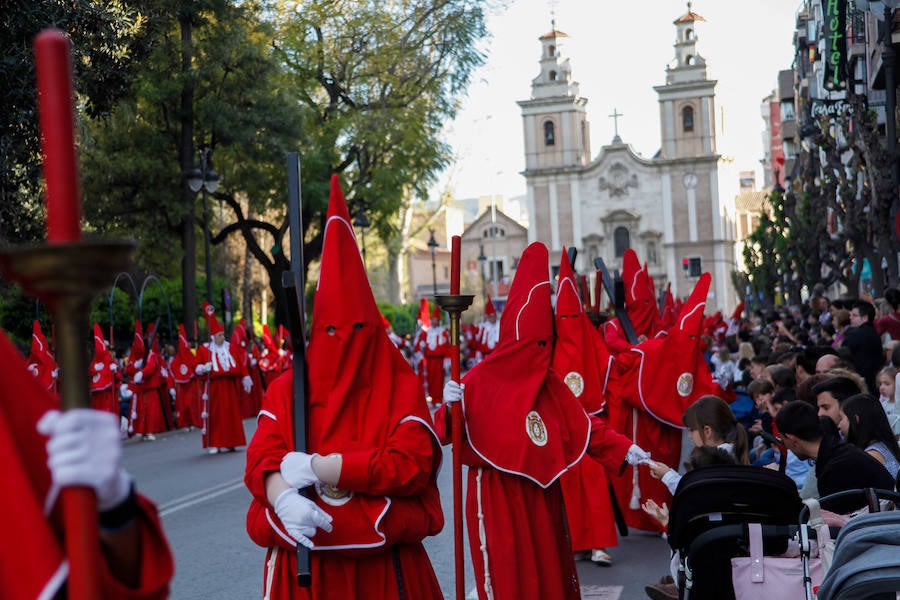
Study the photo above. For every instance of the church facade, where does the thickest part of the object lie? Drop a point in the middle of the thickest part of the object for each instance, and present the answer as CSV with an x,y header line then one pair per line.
x,y
667,208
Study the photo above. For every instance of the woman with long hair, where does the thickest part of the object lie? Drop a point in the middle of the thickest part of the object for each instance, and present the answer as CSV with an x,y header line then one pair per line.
x,y
865,425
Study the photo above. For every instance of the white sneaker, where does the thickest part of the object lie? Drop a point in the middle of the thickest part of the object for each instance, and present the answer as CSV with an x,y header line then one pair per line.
x,y
213,451
600,557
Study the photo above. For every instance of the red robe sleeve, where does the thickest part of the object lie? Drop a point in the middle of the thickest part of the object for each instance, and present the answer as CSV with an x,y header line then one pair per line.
x,y
157,565
607,446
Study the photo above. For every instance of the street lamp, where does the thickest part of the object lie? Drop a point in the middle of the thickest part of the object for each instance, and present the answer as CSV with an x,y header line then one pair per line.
x,y
481,260
432,246
362,223
206,179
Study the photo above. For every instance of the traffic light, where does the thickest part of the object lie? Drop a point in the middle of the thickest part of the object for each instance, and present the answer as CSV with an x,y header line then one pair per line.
x,y
695,267
685,262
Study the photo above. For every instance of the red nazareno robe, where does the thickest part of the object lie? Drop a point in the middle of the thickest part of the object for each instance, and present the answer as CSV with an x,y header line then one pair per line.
x,y
32,564
582,360
398,473
224,427
523,429
364,402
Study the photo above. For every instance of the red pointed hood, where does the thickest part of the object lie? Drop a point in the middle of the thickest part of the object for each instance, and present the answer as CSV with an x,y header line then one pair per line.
x,y
151,329
183,363
237,345
640,298
520,416
268,341
40,359
738,312
101,376
424,314
212,323
137,351
489,308
347,336
668,313
580,356
665,375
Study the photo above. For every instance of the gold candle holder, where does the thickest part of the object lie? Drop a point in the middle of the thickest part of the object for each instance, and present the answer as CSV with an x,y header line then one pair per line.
x,y
67,277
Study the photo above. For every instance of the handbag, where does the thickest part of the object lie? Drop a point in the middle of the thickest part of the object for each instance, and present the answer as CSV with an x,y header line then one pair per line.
x,y
759,577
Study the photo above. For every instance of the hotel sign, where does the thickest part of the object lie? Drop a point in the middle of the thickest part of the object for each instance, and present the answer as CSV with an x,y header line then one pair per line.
x,y
835,55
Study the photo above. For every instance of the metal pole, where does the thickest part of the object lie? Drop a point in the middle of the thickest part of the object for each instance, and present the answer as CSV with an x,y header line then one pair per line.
x,y
493,244
208,266
433,273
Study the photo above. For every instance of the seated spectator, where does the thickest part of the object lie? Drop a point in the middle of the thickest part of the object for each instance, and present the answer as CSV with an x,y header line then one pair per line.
x,y
865,425
839,466
887,396
831,393
781,376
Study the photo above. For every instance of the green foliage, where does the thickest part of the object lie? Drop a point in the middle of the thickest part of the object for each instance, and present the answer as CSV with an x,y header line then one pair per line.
x,y
401,316
109,41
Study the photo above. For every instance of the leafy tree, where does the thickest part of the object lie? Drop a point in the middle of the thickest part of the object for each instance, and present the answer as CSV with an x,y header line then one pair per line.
x,y
109,42
376,82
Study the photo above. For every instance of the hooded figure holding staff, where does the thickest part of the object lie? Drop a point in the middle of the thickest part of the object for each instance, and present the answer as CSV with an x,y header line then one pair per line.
x,y
523,429
373,456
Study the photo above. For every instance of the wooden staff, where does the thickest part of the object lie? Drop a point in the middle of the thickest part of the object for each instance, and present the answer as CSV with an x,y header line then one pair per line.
x,y
455,304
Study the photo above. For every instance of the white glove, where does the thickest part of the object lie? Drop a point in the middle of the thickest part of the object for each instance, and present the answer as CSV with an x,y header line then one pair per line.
x,y
33,368
296,468
453,391
301,516
172,393
138,377
247,383
636,454
55,373
207,367
113,367
84,450
252,362
139,363
125,391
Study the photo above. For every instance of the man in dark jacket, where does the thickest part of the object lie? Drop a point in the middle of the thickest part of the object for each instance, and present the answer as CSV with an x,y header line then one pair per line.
x,y
864,342
839,466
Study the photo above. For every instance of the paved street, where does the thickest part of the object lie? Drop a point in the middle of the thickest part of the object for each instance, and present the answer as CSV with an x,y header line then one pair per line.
x,y
203,504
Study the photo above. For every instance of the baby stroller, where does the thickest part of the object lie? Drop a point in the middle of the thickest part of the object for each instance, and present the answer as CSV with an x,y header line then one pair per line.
x,y
866,561
709,518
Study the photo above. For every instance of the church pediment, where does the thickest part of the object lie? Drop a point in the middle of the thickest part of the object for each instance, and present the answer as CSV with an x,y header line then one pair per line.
x,y
617,180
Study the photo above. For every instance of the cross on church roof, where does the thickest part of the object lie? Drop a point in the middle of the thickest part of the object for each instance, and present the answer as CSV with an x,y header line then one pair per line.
x,y
615,117
552,4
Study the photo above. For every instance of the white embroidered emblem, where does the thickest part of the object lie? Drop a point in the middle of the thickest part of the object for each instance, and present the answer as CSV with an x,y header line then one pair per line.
x,y
685,384
534,427
332,495
96,377
575,382
183,369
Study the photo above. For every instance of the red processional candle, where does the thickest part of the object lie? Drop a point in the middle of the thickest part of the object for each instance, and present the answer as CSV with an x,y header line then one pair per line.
x,y
57,117
454,265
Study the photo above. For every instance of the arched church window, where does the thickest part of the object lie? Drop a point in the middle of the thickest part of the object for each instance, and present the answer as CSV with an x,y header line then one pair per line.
x,y
688,35
687,118
549,133
551,50
621,241
689,59
552,75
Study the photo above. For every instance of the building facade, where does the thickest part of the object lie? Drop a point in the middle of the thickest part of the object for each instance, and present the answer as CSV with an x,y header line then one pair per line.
x,y
666,208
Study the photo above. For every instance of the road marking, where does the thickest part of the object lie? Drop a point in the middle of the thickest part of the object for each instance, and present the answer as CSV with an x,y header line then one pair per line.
x,y
601,592
588,592
200,496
